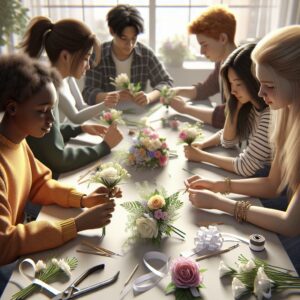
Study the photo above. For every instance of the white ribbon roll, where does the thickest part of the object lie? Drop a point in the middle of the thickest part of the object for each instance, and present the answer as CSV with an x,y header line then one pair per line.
x,y
149,280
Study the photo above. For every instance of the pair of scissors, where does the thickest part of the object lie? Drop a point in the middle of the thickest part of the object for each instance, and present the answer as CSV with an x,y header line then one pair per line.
x,y
72,291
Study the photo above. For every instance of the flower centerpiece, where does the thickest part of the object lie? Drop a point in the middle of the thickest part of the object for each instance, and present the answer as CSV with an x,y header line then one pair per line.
x,y
189,133
48,272
110,175
152,217
112,116
148,150
187,279
258,277
174,51
166,95
122,82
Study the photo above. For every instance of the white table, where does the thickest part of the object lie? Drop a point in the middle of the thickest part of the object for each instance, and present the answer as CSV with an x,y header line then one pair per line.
x,y
171,178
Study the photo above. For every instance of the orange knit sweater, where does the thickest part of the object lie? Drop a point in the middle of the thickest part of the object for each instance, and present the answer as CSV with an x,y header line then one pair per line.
x,y
23,178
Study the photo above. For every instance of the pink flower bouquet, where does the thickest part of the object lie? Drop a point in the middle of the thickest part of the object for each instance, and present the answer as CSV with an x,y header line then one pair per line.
x,y
189,133
149,150
187,279
112,116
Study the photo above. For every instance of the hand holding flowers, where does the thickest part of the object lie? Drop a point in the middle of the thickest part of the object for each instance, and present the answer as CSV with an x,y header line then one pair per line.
x,y
166,95
190,132
112,116
152,217
122,82
187,279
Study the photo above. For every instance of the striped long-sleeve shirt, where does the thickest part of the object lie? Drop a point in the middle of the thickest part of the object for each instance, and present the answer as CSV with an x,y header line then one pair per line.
x,y
257,152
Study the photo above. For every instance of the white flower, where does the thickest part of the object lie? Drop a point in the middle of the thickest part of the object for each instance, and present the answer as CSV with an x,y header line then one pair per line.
x,y
154,145
223,269
121,81
63,265
250,265
40,266
147,227
192,132
109,174
262,285
238,288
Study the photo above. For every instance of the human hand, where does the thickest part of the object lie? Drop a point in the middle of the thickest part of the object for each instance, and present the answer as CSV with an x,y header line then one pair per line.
x,y
113,136
94,129
141,98
111,100
125,95
203,199
100,196
198,145
197,182
178,104
95,217
193,154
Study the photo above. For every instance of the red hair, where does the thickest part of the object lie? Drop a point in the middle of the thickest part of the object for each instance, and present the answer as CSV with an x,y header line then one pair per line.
x,y
214,21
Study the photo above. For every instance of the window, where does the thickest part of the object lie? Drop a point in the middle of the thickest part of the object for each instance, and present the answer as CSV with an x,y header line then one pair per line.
x,y
165,18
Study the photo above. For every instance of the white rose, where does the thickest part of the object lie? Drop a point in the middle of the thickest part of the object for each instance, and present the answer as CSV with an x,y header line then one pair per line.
x,y
192,132
109,174
121,80
147,227
155,144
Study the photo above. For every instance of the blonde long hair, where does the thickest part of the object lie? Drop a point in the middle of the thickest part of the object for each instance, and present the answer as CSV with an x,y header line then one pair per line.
x,y
279,52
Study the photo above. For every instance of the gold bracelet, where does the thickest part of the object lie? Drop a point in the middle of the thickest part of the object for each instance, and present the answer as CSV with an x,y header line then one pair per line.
x,y
240,210
227,182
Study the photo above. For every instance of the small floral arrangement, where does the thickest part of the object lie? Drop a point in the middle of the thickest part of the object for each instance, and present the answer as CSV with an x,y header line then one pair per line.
x,y
122,82
152,217
112,116
149,150
167,94
258,277
48,272
187,279
189,133
174,51
109,174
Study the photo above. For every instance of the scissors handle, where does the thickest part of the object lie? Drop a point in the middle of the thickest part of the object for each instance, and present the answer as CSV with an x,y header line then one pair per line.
x,y
87,273
95,286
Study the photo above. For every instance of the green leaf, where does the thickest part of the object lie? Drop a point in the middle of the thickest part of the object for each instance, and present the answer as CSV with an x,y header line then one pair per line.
x,y
185,294
171,287
134,207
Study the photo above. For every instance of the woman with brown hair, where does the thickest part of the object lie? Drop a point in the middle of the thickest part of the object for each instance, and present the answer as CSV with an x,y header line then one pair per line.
x,y
68,44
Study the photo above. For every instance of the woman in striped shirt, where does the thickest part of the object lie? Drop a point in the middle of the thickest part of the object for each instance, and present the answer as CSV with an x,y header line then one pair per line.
x,y
247,121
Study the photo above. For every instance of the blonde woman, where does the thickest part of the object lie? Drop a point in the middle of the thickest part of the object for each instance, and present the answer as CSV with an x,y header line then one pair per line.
x,y
277,67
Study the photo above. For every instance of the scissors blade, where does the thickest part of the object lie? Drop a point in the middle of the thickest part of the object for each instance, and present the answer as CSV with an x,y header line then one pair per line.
x,y
96,286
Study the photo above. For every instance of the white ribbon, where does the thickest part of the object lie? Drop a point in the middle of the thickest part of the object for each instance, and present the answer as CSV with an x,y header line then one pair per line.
x,y
151,279
211,239
27,269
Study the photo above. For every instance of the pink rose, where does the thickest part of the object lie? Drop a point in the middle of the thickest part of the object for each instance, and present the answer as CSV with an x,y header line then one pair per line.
x,y
185,273
163,160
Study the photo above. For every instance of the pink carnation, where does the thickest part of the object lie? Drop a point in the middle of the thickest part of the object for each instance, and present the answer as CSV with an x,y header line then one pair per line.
x,y
107,116
183,135
154,136
185,273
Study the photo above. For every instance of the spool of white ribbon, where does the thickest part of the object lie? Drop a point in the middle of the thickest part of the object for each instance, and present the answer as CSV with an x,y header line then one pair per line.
x,y
149,280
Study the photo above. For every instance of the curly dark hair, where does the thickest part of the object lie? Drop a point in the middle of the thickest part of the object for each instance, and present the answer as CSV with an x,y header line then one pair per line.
x,y
240,61
22,77
122,16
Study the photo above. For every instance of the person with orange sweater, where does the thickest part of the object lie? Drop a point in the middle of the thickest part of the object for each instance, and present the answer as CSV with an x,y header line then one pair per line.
x,y
27,98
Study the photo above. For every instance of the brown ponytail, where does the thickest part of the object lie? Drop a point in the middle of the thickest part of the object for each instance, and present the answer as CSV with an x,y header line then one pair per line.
x,y
67,34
